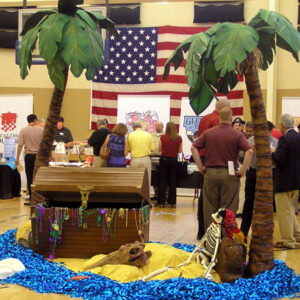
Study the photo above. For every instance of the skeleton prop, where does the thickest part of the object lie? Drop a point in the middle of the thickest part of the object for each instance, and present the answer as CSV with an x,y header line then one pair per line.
x,y
206,250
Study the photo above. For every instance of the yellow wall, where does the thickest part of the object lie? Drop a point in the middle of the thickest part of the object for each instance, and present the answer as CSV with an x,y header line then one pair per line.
x,y
76,105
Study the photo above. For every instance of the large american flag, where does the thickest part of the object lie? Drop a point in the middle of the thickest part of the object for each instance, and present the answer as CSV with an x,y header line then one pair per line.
x,y
136,66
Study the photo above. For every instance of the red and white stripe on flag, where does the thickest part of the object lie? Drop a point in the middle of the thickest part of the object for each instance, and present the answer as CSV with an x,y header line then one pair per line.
x,y
104,102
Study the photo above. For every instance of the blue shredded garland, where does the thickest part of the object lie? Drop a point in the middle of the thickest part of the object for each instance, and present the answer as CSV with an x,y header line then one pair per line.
x,y
44,276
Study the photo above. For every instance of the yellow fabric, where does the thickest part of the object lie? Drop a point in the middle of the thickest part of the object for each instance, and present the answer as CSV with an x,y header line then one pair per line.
x,y
140,143
162,256
24,231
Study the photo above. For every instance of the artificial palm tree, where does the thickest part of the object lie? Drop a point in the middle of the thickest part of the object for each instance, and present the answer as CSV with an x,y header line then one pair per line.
x,y
214,60
67,36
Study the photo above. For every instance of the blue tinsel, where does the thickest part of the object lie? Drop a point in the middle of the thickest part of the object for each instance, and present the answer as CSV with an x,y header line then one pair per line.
x,y
47,277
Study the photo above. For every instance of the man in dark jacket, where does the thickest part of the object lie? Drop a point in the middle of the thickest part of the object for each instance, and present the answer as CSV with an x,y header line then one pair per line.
x,y
287,183
96,140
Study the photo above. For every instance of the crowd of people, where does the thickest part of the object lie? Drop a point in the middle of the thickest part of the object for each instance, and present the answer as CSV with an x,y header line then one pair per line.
x,y
224,153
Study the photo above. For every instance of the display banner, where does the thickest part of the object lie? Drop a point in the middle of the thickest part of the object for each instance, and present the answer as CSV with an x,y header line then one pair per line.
x,y
189,123
14,110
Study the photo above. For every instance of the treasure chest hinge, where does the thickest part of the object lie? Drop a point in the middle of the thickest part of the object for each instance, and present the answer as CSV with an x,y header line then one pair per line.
x,y
85,191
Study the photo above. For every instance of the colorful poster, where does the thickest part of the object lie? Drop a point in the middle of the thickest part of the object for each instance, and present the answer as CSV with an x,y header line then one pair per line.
x,y
147,109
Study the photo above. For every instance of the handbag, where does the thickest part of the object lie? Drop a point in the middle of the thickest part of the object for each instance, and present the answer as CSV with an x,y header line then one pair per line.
x,y
105,151
182,169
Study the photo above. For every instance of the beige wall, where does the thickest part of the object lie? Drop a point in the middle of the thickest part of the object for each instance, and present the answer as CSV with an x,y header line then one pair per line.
x,y
76,105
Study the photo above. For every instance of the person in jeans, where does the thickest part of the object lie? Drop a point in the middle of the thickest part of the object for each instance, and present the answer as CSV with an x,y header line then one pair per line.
x,y
170,145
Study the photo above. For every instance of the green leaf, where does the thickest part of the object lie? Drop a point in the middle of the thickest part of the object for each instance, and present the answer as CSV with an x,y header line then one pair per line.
x,y
104,23
87,18
56,71
26,47
270,17
96,55
229,81
266,45
197,48
177,56
200,96
214,29
51,35
75,45
35,18
232,43
287,37
211,74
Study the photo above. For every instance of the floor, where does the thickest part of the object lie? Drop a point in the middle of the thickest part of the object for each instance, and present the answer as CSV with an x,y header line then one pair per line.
x,y
168,225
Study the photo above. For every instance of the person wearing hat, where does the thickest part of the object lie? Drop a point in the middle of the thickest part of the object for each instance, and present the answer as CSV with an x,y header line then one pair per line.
x,y
238,124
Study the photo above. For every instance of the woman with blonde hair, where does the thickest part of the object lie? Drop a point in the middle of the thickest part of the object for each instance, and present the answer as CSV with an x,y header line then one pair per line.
x,y
118,145
170,145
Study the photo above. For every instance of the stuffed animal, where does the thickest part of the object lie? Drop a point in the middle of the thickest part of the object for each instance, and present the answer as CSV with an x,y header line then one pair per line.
x,y
129,254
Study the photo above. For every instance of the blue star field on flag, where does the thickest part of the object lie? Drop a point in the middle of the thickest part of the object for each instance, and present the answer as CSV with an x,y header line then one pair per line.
x,y
132,58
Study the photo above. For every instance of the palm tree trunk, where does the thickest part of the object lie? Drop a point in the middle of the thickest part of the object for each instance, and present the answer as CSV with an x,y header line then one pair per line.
x,y
261,246
44,152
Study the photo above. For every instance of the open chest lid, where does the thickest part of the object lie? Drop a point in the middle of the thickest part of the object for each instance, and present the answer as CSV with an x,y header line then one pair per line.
x,y
106,185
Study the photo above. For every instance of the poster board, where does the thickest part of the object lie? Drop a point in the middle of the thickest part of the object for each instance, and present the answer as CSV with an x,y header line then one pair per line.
x,y
14,110
147,109
291,105
189,123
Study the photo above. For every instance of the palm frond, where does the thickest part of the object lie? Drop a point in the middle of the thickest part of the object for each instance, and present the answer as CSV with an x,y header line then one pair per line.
x,y
177,56
232,43
26,47
35,18
50,35
273,24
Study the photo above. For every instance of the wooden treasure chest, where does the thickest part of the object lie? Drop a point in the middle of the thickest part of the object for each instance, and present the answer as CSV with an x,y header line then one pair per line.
x,y
81,212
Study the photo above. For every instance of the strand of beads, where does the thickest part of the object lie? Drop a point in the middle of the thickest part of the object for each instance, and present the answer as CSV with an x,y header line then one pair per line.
x,y
51,239
98,217
126,216
104,236
37,220
113,234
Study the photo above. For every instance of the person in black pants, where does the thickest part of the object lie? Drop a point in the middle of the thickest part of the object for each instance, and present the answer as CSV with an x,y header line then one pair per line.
x,y
249,200
30,137
200,212
170,145
250,184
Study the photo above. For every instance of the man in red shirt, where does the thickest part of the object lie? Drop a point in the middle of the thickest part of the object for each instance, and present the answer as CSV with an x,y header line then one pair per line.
x,y
221,184
276,133
208,121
